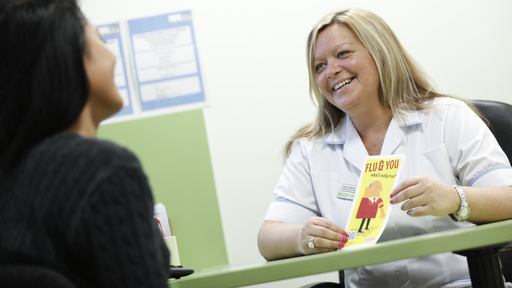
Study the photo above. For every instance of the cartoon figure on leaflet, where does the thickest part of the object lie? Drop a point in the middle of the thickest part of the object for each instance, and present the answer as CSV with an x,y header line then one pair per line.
x,y
370,203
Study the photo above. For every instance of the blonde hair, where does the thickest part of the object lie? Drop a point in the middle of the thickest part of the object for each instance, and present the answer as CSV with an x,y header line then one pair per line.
x,y
403,84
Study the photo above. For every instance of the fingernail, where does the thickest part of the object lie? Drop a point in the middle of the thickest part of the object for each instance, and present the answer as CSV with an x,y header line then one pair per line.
x,y
391,201
391,194
344,239
345,233
409,212
341,244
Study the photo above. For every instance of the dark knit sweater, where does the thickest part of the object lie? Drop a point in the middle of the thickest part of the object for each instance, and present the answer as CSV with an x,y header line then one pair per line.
x,y
82,207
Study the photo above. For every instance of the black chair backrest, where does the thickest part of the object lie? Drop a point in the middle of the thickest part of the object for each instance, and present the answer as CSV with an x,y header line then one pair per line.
x,y
21,276
499,115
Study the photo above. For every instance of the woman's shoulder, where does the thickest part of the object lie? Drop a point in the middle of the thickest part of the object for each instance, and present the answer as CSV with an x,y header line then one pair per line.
x,y
449,102
446,106
85,151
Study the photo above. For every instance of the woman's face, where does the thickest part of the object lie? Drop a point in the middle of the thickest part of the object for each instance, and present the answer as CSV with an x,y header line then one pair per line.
x,y
99,63
345,71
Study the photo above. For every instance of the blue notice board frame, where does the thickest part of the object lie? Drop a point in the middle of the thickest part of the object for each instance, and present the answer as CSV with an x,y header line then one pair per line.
x,y
165,61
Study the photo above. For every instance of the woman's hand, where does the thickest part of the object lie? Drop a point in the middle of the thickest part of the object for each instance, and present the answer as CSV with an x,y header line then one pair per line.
x,y
424,195
326,235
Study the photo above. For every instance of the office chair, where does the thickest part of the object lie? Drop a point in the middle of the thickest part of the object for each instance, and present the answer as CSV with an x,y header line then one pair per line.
x,y
22,276
499,117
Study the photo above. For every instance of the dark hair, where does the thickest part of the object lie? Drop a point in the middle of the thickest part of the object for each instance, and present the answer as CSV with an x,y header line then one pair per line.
x,y
43,84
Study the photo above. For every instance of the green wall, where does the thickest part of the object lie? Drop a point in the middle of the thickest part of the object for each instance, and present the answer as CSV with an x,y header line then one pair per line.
x,y
174,152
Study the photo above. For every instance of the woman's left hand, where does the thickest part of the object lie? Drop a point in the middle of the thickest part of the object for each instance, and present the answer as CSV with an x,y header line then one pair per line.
x,y
424,195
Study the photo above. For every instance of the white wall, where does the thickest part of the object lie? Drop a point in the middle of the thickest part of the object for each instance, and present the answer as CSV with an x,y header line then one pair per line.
x,y
253,64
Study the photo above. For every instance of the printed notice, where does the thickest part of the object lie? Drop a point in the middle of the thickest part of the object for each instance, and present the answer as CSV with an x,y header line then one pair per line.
x,y
165,61
370,210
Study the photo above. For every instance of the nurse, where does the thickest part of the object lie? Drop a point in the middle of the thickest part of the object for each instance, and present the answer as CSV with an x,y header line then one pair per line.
x,y
373,99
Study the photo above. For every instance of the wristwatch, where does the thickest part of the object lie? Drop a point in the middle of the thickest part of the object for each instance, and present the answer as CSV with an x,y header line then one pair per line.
x,y
464,210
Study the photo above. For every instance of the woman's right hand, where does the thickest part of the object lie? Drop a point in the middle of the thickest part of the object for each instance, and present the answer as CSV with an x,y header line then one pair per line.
x,y
326,236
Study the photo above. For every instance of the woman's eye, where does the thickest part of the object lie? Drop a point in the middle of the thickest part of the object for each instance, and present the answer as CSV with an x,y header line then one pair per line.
x,y
342,53
319,66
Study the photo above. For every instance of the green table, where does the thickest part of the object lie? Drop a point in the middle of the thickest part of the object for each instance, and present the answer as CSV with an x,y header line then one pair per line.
x,y
417,246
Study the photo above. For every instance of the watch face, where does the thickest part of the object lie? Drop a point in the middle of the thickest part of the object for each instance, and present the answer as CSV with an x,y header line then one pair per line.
x,y
464,213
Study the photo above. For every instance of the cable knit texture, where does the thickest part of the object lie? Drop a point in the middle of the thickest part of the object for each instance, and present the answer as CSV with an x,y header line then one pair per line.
x,y
82,207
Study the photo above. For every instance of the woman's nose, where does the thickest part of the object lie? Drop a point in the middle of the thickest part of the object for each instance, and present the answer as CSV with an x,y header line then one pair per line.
x,y
333,69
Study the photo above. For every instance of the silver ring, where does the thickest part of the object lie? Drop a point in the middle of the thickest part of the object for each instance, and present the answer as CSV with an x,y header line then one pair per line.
x,y
311,244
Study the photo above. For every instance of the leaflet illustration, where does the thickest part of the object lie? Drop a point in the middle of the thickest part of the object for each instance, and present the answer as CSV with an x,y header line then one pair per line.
x,y
371,209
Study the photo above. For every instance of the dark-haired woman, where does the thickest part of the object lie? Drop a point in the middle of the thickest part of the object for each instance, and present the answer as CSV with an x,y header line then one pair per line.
x,y
68,202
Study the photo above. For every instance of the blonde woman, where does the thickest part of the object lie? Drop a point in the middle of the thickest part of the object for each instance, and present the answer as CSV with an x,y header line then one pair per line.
x,y
373,99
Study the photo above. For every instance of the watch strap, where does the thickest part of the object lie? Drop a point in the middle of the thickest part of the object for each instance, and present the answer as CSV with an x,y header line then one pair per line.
x,y
464,207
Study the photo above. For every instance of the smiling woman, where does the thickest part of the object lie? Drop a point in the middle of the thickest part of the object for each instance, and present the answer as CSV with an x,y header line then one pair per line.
x,y
346,74
373,99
